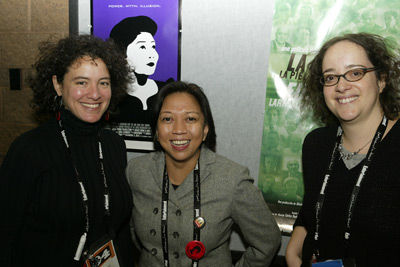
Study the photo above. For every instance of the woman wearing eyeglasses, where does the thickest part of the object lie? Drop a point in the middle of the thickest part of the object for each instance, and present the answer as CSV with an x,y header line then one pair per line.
x,y
351,207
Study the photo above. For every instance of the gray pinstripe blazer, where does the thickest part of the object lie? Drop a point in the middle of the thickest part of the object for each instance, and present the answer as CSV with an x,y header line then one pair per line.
x,y
228,196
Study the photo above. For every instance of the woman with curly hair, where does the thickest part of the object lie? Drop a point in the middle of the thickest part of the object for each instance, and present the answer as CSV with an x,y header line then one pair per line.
x,y
63,190
351,206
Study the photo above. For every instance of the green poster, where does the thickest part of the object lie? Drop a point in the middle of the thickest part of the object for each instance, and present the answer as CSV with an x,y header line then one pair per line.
x,y
299,29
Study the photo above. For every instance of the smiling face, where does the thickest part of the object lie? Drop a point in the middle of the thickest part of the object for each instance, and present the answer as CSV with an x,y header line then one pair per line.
x,y
273,117
303,36
181,129
293,166
270,163
142,54
351,101
282,34
86,89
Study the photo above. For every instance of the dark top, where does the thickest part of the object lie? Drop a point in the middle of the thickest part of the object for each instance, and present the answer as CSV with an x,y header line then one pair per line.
x,y
42,212
375,231
131,107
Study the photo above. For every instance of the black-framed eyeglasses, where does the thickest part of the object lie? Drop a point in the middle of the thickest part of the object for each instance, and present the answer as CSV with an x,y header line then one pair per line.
x,y
350,76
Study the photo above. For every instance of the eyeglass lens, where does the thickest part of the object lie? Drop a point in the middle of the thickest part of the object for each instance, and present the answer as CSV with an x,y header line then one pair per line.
x,y
351,76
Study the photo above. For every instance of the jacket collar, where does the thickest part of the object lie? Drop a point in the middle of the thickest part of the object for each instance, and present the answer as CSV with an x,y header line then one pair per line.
x,y
207,158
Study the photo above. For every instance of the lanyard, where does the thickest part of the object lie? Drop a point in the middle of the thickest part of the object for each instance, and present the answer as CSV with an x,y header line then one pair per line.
x,y
353,198
85,198
164,211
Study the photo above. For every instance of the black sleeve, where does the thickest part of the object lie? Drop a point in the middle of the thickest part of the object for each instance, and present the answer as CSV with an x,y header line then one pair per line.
x,y
18,175
316,152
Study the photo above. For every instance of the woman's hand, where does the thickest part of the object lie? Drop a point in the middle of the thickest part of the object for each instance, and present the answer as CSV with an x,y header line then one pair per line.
x,y
295,247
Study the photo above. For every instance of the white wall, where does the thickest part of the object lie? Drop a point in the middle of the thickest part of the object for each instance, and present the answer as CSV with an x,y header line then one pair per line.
x,y
225,50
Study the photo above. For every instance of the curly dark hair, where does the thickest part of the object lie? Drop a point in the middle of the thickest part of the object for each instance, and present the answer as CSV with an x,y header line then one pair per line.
x,y
193,90
56,58
382,54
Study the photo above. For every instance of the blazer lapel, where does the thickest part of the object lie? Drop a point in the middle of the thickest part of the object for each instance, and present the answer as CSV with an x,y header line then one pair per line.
x,y
157,168
207,158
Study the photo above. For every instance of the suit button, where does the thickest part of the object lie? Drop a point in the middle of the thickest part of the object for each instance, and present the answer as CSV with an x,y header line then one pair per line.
x,y
153,251
178,213
153,232
155,211
176,255
176,235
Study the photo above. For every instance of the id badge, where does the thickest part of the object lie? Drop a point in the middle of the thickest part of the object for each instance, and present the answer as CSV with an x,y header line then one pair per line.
x,y
349,262
329,263
103,256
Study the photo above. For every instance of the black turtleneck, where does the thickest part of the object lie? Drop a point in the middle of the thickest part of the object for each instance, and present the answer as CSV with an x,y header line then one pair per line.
x,y
42,211
83,140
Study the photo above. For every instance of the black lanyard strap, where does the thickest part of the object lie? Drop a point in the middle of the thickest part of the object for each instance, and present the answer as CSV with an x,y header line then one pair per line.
x,y
353,198
196,201
164,211
85,198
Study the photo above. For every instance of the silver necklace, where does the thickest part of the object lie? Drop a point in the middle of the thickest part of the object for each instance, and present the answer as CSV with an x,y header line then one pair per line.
x,y
346,156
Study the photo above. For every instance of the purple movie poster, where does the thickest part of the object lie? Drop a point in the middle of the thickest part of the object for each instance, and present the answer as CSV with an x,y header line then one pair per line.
x,y
149,32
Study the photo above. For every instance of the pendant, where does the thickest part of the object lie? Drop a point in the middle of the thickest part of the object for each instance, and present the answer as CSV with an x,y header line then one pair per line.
x,y
346,156
199,222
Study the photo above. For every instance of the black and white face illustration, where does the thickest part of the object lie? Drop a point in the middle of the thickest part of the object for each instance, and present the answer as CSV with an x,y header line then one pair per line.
x,y
142,54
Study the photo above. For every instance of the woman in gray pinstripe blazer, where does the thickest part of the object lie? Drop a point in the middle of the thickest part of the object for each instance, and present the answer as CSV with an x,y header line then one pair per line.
x,y
186,197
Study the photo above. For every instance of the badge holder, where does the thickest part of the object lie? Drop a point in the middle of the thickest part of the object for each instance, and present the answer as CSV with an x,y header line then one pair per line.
x,y
329,263
349,262
102,253
336,263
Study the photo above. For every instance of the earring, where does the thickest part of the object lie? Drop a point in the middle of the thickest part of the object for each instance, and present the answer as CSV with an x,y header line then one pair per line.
x,y
58,115
107,116
58,102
